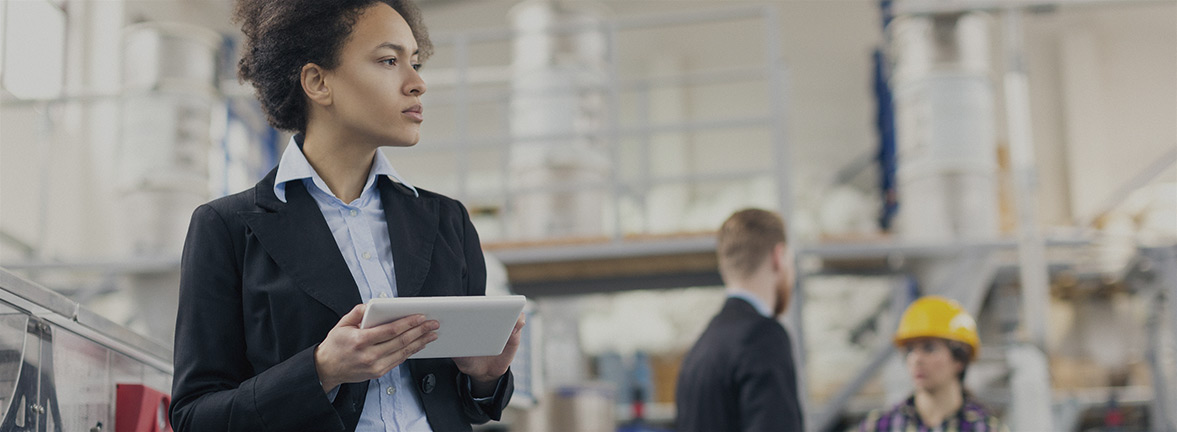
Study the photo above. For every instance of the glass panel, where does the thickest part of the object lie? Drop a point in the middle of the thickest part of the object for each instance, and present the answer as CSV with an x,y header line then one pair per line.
x,y
81,368
12,341
157,379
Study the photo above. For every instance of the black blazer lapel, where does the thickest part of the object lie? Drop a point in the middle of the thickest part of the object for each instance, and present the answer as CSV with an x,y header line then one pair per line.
x,y
297,237
412,228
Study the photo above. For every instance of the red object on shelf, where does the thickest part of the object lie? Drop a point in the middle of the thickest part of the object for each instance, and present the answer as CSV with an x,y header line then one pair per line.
x,y
139,408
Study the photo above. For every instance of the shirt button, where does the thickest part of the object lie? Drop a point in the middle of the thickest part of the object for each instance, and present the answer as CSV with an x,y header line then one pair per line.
x,y
353,212
367,255
383,295
391,390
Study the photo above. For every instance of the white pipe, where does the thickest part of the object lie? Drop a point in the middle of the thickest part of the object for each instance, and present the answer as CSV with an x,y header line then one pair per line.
x,y
1030,381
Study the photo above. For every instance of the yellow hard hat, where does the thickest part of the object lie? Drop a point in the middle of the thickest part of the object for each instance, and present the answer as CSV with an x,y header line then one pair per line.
x,y
939,317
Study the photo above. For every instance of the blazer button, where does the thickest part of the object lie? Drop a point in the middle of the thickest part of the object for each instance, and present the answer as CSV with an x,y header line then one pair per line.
x,y
428,383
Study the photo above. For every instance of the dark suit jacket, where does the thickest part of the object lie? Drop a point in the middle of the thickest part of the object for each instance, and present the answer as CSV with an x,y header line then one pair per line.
x,y
739,376
262,282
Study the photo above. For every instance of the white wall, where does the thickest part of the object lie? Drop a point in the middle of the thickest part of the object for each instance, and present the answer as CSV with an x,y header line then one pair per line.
x,y
1104,100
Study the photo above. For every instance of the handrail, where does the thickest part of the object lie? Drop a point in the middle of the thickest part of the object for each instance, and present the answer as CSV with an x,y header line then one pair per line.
x,y
59,310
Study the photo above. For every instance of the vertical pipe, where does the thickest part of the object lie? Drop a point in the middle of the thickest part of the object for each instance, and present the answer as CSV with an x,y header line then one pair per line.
x,y
1031,365
614,127
645,165
462,103
1031,248
776,84
1171,280
796,305
47,150
775,71
1159,418
1166,264
505,211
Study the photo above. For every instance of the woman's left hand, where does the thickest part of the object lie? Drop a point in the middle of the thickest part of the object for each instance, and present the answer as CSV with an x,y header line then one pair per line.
x,y
485,372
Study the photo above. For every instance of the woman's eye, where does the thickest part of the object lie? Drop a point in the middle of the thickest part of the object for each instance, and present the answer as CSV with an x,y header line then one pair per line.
x,y
416,66
390,62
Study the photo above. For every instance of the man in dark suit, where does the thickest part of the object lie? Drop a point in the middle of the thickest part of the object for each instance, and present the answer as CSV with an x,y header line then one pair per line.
x,y
273,278
739,376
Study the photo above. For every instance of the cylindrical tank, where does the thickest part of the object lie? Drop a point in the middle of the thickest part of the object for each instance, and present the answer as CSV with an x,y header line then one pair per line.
x,y
557,119
169,105
945,127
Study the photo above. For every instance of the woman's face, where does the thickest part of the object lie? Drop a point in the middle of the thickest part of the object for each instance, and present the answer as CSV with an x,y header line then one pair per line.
x,y
375,89
930,363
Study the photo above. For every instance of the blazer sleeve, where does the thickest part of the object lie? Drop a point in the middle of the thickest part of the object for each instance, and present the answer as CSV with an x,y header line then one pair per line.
x,y
767,394
475,279
215,386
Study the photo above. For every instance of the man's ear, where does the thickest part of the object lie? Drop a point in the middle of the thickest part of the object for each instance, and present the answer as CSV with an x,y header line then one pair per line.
x,y
779,256
314,84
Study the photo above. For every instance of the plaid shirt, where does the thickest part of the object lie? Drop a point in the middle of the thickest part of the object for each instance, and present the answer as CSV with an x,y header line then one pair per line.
x,y
972,417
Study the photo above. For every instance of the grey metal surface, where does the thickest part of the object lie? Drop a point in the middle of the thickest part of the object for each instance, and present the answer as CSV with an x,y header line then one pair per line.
x,y
43,303
142,265
572,252
1160,281
921,250
935,7
1171,281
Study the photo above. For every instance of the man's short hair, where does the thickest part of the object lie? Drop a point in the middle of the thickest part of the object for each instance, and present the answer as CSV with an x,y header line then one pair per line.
x,y
746,240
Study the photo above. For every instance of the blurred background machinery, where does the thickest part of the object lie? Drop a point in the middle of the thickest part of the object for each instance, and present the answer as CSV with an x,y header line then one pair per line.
x,y
1018,156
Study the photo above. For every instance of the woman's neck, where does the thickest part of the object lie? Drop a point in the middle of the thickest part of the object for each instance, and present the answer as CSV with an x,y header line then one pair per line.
x,y
342,163
935,406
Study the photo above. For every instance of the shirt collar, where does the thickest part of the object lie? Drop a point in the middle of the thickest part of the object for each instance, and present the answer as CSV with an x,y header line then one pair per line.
x,y
294,166
753,300
970,410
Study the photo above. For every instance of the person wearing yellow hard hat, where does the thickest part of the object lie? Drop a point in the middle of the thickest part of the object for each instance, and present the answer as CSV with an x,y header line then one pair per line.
x,y
938,339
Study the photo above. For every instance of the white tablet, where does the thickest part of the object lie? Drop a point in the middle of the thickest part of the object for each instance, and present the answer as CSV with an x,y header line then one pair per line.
x,y
468,325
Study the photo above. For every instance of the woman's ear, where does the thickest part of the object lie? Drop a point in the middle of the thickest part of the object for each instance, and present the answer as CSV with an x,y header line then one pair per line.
x,y
314,84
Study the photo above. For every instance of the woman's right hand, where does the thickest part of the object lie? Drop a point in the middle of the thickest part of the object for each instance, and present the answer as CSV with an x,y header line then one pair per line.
x,y
351,354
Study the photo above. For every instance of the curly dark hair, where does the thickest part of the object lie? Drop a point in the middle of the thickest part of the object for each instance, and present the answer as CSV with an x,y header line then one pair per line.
x,y
281,36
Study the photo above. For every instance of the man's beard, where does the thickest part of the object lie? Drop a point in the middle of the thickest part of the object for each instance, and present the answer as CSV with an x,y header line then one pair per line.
x,y
782,300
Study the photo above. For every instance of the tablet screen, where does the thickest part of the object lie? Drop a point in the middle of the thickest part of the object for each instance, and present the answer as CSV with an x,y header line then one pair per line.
x,y
468,325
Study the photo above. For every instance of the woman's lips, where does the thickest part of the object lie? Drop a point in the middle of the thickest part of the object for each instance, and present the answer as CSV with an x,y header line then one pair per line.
x,y
414,112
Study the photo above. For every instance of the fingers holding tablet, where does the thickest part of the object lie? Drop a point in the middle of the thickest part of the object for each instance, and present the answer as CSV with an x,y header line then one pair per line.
x,y
404,337
353,354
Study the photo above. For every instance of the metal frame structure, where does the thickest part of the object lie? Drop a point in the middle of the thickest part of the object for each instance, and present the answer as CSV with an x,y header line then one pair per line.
x,y
43,369
771,71
1156,269
961,270
980,258
60,311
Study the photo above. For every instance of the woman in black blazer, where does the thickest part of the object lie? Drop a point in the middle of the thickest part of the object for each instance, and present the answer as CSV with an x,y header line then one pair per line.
x,y
267,335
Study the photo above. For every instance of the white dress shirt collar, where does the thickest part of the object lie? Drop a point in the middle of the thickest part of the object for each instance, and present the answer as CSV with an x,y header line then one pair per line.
x,y
294,166
753,300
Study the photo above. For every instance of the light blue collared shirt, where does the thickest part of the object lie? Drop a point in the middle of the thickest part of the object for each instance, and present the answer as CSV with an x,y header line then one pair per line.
x,y
361,232
753,300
